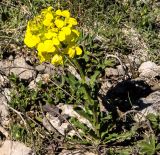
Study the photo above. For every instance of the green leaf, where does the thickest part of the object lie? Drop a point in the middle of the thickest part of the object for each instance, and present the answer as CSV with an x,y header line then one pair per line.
x,y
147,146
147,149
153,141
39,119
158,147
153,119
93,78
79,125
110,137
124,152
83,113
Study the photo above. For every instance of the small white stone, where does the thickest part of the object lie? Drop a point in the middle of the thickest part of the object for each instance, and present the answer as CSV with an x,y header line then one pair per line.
x,y
5,66
148,73
153,102
54,122
139,117
40,68
22,69
149,70
14,148
32,85
3,111
68,110
7,94
147,66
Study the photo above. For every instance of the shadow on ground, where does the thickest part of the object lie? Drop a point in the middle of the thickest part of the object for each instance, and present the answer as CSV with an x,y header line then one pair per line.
x,y
125,95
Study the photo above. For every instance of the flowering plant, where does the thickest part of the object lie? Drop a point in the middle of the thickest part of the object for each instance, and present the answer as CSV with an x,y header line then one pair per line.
x,y
53,34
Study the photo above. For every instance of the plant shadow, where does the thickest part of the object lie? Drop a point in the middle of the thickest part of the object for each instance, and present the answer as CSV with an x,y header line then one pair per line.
x,y
125,96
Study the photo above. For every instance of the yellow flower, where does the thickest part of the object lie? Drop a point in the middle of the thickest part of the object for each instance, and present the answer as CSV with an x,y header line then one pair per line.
x,y
49,16
44,56
48,19
57,59
59,12
78,50
76,32
71,22
55,41
47,46
49,8
59,23
31,40
54,34
52,31
71,52
73,36
36,24
66,30
61,36
48,35
74,50
40,47
47,22
65,13
45,11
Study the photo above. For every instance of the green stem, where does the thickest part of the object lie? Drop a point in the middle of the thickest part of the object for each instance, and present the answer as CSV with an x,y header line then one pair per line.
x,y
80,70
89,100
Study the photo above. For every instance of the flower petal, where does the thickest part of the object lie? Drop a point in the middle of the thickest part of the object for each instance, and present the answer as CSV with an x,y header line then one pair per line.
x,y
47,22
57,59
49,16
40,47
61,36
48,35
31,40
49,8
71,52
66,30
72,21
59,12
48,45
55,41
59,23
66,13
78,50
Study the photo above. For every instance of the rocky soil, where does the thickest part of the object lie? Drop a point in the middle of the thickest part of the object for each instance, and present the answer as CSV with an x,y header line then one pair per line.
x,y
114,85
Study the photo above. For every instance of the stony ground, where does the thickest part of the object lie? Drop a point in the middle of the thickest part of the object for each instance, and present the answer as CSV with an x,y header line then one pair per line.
x,y
146,83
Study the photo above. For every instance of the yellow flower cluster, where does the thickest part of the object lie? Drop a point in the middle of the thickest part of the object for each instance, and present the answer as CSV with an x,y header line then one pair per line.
x,y
53,34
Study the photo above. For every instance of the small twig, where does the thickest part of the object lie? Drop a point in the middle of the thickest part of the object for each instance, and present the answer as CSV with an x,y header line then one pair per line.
x,y
9,5
142,115
128,112
16,111
11,67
